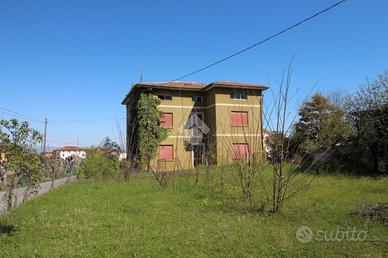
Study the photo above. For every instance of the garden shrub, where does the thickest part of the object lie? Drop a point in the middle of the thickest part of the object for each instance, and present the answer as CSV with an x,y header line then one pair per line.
x,y
100,167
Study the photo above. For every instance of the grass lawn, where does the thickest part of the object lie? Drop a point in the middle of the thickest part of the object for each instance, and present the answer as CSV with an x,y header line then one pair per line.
x,y
137,219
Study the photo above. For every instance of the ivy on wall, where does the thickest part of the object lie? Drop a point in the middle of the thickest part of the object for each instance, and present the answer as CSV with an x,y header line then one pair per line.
x,y
148,131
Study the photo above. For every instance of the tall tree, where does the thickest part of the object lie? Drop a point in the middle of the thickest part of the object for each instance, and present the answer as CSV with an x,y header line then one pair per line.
x,y
321,130
314,115
368,114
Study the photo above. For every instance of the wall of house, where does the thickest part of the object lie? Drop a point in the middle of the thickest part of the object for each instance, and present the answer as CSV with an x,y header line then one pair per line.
x,y
182,157
131,136
228,134
211,121
181,106
216,108
210,100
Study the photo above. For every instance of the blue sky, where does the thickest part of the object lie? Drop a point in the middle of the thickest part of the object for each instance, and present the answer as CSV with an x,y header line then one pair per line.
x,y
76,60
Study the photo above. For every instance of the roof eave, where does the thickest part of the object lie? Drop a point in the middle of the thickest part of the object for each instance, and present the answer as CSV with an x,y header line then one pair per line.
x,y
233,86
138,86
125,100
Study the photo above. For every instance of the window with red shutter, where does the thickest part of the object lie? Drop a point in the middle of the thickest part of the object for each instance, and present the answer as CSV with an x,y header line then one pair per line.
x,y
166,152
239,118
167,120
240,150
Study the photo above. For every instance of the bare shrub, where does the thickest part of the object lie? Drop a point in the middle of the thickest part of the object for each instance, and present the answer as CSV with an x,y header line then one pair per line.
x,y
377,211
127,169
163,177
248,163
209,176
289,177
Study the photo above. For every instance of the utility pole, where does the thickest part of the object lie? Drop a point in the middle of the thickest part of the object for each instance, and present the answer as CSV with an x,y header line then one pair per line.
x,y
141,76
45,135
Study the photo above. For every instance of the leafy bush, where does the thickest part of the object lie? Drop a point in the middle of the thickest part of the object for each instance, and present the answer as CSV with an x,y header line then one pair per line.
x,y
348,136
99,166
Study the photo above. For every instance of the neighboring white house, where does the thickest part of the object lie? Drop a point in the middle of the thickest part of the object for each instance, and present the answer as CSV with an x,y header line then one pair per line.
x,y
266,135
122,156
2,169
69,151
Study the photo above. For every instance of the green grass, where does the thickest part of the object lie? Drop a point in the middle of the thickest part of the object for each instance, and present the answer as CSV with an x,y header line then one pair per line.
x,y
138,219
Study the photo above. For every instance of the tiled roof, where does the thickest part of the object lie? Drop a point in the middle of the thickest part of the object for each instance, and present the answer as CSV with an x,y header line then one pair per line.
x,y
175,84
69,148
198,86
268,131
238,84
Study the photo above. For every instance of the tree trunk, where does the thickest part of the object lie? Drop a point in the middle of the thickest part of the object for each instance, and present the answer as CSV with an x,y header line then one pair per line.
x,y
52,182
27,192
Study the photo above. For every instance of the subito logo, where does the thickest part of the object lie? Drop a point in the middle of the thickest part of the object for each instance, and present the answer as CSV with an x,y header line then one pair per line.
x,y
304,234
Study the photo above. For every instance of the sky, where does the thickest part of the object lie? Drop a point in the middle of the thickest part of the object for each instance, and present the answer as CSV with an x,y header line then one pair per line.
x,y
73,61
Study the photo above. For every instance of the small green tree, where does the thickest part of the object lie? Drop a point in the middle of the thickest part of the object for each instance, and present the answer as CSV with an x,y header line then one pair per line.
x,y
148,131
107,143
21,158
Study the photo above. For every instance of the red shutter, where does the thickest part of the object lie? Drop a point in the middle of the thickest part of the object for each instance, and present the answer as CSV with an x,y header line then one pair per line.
x,y
240,150
239,118
166,120
166,152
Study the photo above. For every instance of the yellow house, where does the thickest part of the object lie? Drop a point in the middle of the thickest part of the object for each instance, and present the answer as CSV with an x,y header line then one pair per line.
x,y
207,123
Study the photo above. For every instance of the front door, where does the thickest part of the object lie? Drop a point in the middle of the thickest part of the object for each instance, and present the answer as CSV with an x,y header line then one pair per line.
x,y
198,154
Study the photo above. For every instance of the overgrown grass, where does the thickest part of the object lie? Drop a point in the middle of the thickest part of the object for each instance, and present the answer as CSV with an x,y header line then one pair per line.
x,y
137,219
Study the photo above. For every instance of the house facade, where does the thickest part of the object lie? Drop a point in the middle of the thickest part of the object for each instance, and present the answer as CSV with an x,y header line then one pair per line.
x,y
69,151
207,123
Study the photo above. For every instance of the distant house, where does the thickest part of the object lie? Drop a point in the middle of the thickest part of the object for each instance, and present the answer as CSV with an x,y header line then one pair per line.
x,y
115,154
123,156
69,151
267,134
111,153
48,154
2,157
2,169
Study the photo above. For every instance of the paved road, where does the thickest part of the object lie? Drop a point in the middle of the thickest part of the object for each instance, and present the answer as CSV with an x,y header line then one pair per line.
x,y
43,188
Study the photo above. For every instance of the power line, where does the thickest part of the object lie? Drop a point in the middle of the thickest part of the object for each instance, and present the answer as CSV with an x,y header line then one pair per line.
x,y
32,118
262,41
83,141
87,120
50,142
11,112
20,115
